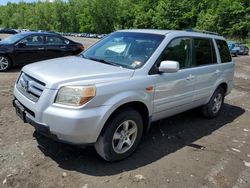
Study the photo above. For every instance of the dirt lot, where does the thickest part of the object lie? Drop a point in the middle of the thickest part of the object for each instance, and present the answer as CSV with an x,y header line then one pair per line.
x,y
182,151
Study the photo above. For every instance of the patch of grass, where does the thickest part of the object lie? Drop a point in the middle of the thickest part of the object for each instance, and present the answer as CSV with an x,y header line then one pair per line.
x,y
248,43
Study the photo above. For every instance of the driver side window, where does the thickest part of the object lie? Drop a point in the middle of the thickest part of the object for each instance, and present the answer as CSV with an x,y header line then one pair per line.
x,y
179,50
33,40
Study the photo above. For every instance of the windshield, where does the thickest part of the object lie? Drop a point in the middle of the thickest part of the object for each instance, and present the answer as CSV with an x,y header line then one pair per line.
x,y
13,39
125,49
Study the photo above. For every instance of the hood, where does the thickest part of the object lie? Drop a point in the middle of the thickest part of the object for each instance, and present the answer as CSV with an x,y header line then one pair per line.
x,y
3,43
74,70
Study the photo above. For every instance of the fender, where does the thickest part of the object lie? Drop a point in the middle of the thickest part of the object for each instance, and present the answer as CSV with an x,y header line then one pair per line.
x,y
122,99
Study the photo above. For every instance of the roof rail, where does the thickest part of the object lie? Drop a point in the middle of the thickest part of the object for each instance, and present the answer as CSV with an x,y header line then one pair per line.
x,y
202,31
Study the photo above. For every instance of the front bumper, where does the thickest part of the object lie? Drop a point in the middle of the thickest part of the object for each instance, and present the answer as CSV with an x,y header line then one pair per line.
x,y
22,112
75,126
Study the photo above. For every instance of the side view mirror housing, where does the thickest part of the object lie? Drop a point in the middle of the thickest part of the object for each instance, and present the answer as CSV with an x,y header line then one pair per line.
x,y
22,44
169,66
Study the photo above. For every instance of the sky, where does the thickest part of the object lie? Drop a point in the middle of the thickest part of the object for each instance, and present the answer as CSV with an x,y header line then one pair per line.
x,y
4,2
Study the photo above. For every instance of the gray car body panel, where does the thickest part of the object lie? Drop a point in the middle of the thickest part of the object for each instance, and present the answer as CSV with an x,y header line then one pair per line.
x,y
116,86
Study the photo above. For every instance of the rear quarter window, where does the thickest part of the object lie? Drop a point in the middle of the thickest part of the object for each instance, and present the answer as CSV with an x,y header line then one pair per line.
x,y
204,52
225,55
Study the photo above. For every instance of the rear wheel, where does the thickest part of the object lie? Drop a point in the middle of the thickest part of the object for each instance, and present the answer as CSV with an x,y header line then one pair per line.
x,y
121,137
214,106
5,63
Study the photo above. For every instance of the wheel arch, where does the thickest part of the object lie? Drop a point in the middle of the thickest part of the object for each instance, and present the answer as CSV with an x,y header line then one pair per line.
x,y
139,106
224,86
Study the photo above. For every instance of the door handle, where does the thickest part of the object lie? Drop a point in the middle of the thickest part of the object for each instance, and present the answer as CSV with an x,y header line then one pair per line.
x,y
190,77
42,48
217,72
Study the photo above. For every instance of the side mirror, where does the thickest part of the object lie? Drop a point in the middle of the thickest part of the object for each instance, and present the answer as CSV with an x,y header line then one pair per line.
x,y
22,44
169,66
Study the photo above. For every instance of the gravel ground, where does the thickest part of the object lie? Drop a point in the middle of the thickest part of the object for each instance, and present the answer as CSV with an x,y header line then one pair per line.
x,y
182,151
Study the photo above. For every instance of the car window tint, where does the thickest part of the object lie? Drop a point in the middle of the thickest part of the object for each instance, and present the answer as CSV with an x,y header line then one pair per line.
x,y
33,40
179,50
204,52
53,40
224,51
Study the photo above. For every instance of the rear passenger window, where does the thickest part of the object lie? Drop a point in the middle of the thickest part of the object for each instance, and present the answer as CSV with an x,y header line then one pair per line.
x,y
53,40
178,50
204,52
225,55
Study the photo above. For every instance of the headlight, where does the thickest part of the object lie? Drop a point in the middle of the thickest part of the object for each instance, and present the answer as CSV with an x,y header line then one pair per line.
x,y
75,95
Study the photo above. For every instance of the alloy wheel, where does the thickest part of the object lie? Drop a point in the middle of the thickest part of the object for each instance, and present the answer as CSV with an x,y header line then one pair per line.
x,y
217,103
124,136
4,63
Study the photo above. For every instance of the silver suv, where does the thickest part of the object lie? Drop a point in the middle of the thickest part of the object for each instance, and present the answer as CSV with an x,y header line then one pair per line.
x,y
109,95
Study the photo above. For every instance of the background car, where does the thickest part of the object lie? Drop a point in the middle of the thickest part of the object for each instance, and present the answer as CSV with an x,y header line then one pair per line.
x,y
8,31
234,48
29,47
244,50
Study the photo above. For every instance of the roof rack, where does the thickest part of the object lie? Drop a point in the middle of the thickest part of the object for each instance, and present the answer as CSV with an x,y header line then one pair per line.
x,y
202,31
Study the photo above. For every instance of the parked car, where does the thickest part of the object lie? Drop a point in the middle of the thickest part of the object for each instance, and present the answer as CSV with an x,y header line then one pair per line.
x,y
109,95
83,34
234,48
91,35
101,36
8,31
244,50
29,47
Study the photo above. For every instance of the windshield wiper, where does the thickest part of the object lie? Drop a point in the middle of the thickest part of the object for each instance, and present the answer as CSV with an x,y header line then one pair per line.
x,y
102,61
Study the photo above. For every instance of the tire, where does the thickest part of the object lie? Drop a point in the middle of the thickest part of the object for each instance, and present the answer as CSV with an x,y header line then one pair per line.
x,y
5,63
215,104
121,135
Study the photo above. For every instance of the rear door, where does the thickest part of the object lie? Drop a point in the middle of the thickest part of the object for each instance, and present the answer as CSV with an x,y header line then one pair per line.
x,y
56,46
207,70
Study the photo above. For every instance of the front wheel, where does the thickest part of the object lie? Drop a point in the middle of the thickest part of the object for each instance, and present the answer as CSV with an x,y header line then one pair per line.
x,y
121,136
5,63
214,106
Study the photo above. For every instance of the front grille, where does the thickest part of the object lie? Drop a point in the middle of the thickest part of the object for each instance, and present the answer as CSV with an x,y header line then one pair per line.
x,y
30,87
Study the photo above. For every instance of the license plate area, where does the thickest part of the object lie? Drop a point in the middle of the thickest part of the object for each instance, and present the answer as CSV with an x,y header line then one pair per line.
x,y
20,111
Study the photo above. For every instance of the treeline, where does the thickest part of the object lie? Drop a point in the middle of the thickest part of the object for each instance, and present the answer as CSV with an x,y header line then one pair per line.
x,y
227,17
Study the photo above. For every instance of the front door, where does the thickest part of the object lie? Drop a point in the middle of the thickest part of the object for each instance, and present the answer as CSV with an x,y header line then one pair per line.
x,y
30,49
174,92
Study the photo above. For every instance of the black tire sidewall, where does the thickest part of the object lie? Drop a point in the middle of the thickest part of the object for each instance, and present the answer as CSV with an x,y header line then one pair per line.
x,y
116,120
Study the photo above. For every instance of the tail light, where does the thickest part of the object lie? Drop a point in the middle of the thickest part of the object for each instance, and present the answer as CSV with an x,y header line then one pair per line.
x,y
81,47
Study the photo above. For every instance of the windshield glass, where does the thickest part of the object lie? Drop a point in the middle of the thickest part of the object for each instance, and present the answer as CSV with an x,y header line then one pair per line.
x,y
13,39
125,49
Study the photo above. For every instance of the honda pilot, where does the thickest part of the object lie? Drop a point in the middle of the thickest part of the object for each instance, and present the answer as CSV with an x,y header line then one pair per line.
x,y
109,95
